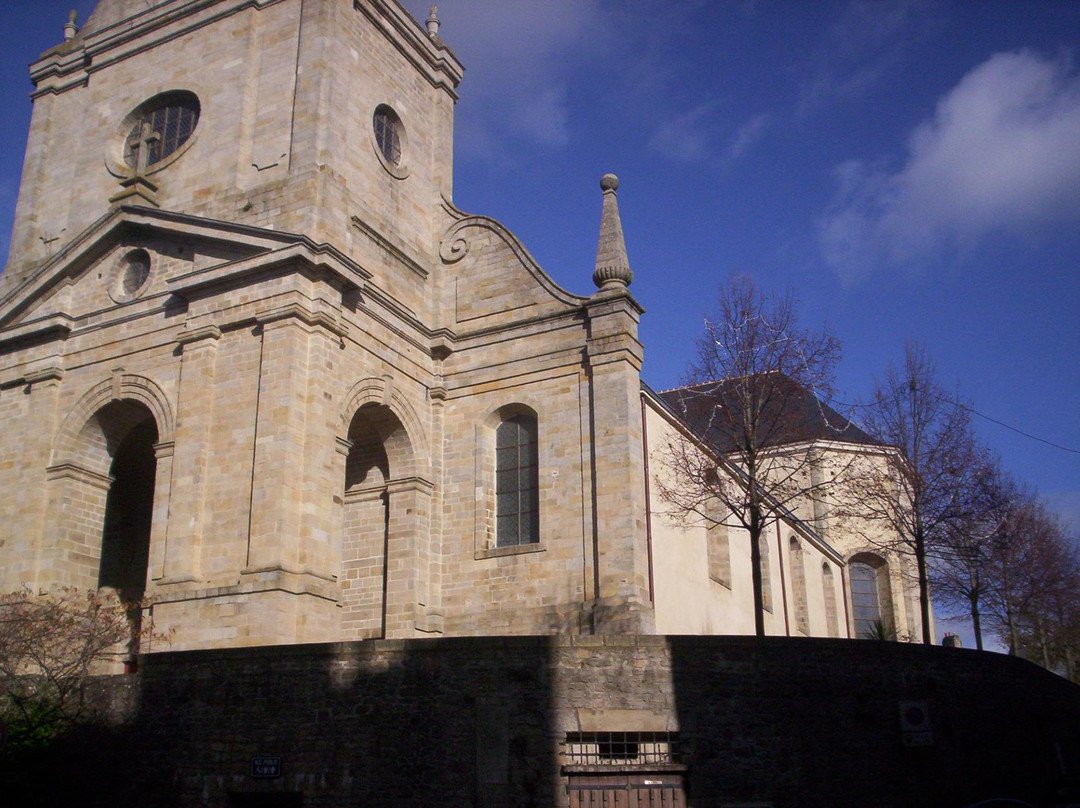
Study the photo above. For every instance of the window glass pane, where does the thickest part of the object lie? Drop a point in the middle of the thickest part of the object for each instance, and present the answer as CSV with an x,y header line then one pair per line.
x,y
162,126
507,530
530,529
516,481
865,601
387,135
507,503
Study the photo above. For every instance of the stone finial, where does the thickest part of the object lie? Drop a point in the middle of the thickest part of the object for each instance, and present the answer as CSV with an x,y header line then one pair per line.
x,y
612,265
70,27
433,22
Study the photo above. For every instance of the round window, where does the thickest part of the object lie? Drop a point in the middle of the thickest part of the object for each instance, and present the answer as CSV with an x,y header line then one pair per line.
x,y
159,128
389,140
131,276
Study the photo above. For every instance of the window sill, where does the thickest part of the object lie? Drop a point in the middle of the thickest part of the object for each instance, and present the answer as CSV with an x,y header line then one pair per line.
x,y
515,549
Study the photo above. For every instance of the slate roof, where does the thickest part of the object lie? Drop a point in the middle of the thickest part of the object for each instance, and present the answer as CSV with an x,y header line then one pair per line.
x,y
791,414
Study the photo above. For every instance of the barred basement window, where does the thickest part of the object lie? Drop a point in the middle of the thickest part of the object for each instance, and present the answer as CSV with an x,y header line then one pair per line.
x,y
621,748
161,126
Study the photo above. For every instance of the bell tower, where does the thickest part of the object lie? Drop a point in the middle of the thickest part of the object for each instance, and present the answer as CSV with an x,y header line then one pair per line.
x,y
327,118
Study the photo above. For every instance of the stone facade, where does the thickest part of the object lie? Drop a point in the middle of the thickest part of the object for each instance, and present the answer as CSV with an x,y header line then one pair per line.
x,y
319,345
258,369
255,372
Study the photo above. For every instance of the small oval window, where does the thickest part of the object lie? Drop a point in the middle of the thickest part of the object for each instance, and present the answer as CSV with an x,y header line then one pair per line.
x,y
388,134
160,127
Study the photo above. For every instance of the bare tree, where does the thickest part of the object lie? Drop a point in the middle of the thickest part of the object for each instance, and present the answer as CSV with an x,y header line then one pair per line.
x,y
752,396
1034,597
49,646
963,572
909,502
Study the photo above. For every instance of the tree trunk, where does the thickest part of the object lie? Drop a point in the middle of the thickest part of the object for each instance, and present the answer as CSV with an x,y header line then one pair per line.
x,y
924,587
976,624
756,528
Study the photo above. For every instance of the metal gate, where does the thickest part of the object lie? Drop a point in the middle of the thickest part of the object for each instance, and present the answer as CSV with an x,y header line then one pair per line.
x,y
627,790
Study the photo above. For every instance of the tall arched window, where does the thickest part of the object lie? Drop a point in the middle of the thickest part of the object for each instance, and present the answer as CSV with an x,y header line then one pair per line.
x,y
517,482
828,587
865,599
766,575
798,587
718,547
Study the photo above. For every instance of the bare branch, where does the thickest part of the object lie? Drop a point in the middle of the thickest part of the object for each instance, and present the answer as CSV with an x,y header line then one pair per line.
x,y
909,503
49,646
754,397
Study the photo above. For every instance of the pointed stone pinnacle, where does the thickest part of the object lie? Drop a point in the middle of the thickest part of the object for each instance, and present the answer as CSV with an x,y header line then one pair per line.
x,y
612,265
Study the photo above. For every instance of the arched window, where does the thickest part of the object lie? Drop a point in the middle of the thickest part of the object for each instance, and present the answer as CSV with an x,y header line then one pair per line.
x,y
798,587
517,482
865,599
828,586
766,575
718,547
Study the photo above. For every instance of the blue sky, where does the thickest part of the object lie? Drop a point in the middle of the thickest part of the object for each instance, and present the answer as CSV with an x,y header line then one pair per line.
x,y
907,169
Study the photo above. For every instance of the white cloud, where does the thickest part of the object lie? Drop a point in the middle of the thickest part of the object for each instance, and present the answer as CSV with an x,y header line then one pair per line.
x,y
748,134
519,58
1001,154
544,117
865,40
685,138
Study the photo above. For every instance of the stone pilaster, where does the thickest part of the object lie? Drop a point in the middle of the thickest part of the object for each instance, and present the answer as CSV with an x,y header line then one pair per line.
x,y
407,551
277,487
623,601
43,390
285,552
176,560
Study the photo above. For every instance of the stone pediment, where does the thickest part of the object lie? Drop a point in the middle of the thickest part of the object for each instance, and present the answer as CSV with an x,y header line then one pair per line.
x,y
138,259
492,280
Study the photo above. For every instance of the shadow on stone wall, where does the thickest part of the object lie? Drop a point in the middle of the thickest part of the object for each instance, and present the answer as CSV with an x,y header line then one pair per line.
x,y
478,722
813,722
448,722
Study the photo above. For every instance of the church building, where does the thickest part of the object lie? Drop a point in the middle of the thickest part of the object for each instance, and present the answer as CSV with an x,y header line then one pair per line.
x,y
258,369
392,500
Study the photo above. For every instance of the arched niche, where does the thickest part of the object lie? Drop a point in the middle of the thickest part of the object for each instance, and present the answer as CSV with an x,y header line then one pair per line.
x,y
386,506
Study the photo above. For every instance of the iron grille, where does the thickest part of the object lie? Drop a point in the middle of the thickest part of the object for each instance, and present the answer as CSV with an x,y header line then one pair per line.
x,y
620,748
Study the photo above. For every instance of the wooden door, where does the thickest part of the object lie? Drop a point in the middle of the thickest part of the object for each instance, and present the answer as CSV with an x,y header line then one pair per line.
x,y
627,790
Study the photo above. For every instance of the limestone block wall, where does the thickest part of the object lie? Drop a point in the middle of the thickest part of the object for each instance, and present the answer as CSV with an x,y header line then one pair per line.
x,y
291,87
531,588
57,459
